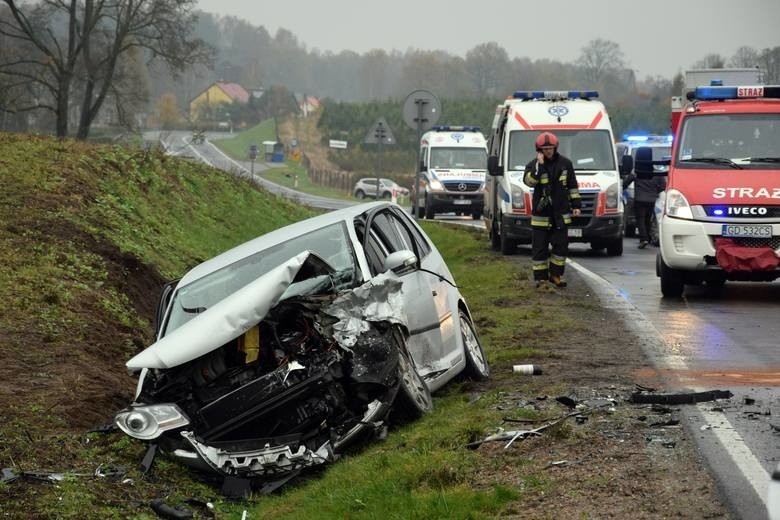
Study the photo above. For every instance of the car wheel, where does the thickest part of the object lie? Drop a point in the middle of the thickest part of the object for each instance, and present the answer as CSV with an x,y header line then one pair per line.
x,y
476,215
508,246
386,195
429,214
672,282
360,194
615,248
420,212
477,367
495,240
414,397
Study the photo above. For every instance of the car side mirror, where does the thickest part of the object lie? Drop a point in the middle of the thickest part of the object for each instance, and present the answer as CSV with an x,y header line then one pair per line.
x,y
401,262
626,164
493,167
422,166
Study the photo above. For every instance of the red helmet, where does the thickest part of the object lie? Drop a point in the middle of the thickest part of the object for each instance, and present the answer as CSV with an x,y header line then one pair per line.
x,y
546,139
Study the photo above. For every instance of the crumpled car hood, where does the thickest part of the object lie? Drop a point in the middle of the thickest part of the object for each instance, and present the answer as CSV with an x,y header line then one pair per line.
x,y
230,318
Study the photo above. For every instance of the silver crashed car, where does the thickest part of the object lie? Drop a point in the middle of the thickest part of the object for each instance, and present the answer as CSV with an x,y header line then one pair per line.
x,y
275,355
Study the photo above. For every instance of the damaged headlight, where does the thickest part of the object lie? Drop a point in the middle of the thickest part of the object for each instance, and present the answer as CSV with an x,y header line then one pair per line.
x,y
149,421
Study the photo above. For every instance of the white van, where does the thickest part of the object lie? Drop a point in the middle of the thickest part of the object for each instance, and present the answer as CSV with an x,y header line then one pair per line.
x,y
585,135
453,166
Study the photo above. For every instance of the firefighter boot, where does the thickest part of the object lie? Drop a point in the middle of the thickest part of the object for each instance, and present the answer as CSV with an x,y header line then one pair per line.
x,y
557,281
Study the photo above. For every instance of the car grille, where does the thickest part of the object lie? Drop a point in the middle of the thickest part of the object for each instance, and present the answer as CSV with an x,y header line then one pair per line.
x,y
773,242
589,203
456,186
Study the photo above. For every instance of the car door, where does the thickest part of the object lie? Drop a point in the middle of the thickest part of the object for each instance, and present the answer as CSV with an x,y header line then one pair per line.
x,y
425,341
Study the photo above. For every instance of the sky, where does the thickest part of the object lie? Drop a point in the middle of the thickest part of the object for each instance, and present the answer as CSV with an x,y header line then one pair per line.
x,y
657,38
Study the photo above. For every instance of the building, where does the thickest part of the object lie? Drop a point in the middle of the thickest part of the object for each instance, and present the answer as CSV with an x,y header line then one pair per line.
x,y
217,94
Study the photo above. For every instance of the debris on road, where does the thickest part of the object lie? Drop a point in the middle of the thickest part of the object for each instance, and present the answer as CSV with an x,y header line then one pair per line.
x,y
680,398
528,370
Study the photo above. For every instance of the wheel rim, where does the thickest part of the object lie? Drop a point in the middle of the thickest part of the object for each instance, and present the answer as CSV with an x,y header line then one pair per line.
x,y
471,344
414,384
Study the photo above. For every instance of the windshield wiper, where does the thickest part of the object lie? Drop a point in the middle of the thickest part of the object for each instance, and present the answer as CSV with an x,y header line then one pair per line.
x,y
764,159
714,160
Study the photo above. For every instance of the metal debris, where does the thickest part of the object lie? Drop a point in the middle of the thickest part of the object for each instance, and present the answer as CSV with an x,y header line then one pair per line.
x,y
680,398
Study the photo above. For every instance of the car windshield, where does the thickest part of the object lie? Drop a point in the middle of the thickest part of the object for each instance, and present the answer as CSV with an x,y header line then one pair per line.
x,y
730,141
588,150
331,243
452,158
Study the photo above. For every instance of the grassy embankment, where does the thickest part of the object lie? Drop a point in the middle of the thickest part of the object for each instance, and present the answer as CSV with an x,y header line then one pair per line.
x,y
88,236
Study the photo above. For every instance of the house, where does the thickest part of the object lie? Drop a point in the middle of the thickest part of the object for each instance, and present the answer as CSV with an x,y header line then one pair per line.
x,y
218,93
307,104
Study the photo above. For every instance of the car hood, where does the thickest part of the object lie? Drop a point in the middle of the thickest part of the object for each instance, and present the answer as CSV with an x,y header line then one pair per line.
x,y
231,317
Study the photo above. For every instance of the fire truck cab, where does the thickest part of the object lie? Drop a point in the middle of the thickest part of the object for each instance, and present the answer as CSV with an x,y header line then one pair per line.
x,y
721,215
585,135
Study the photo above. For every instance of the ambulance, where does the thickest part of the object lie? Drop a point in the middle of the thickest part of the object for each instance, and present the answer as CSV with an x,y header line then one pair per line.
x,y
721,214
453,167
583,129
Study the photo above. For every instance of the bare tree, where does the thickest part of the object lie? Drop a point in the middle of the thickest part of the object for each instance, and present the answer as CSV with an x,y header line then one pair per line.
x,y
600,58
744,57
488,66
711,61
85,41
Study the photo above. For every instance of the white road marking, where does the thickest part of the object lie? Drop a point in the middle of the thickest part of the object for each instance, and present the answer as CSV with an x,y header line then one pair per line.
x,y
189,145
655,347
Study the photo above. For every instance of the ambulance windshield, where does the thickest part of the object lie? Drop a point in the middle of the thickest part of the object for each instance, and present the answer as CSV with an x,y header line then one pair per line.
x,y
455,158
730,141
589,150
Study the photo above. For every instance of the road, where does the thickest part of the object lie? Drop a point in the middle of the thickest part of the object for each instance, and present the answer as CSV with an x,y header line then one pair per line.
x,y
713,339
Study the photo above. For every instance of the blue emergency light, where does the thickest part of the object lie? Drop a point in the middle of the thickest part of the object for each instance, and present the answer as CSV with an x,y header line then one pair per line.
x,y
448,128
555,94
641,138
719,92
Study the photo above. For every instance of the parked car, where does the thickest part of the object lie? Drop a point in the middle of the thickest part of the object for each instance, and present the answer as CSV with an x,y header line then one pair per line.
x,y
662,149
275,355
367,188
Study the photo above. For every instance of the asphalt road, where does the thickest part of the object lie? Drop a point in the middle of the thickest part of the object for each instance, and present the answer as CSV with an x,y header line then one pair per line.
x,y
709,339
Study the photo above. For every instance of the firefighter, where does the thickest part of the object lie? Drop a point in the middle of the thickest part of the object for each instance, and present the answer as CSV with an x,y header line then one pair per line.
x,y
556,198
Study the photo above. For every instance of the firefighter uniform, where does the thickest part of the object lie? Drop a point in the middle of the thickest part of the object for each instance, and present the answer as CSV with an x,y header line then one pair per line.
x,y
555,195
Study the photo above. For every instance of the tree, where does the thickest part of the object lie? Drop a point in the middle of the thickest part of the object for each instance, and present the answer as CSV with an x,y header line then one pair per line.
x,y
710,61
600,58
168,111
86,42
744,57
488,66
769,60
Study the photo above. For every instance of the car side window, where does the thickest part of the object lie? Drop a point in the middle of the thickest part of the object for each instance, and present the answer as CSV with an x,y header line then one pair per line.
x,y
423,247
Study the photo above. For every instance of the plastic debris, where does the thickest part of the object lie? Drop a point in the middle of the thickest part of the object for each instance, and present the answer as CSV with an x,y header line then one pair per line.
x,y
680,398
528,370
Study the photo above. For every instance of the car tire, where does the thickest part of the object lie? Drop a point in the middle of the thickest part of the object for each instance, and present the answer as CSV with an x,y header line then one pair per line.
x,y
476,215
420,212
360,194
429,213
414,397
477,367
508,246
495,239
672,281
387,195
615,248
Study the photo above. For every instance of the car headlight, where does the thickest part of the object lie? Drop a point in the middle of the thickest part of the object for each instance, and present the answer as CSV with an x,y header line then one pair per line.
x,y
148,422
677,205
518,197
612,198
435,185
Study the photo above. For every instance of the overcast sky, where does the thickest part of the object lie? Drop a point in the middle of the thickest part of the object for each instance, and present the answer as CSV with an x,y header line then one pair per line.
x,y
657,37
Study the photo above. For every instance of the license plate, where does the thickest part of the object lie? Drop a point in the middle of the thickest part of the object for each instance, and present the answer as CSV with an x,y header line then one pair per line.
x,y
747,231
574,232
461,202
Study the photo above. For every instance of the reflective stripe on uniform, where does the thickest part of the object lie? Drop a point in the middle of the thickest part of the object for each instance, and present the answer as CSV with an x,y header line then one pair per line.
x,y
574,193
558,260
567,218
540,221
540,266
562,178
544,179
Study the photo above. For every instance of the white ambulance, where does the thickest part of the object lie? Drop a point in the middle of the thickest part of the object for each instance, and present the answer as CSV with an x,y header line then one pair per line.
x,y
583,129
453,166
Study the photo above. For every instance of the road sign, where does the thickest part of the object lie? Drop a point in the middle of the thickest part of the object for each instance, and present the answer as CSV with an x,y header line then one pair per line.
x,y
380,133
340,145
422,108
253,152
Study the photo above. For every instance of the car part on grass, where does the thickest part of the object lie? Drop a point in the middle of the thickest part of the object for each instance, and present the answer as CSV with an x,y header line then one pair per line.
x,y
680,398
148,460
164,510
513,435
528,370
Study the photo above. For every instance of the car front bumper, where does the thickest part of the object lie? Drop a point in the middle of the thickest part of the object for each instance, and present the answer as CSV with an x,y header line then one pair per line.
x,y
589,229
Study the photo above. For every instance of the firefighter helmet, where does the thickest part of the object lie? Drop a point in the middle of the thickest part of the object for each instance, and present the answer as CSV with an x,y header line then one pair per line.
x,y
546,139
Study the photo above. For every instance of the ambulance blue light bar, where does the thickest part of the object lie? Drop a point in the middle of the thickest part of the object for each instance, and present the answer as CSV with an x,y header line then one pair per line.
x,y
555,94
641,138
448,128
716,93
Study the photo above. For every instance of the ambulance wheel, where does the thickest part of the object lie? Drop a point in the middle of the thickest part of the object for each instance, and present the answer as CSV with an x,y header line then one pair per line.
x,y
508,246
476,215
615,248
672,281
429,214
495,240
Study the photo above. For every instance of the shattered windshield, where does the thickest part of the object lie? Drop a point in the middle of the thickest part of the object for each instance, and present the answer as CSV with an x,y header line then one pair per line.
x,y
730,141
331,243
588,150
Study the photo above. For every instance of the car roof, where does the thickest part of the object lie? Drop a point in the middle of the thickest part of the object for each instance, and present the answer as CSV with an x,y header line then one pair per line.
x,y
275,237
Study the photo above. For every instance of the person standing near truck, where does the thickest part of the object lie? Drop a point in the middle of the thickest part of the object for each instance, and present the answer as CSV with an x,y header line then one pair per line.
x,y
556,199
646,190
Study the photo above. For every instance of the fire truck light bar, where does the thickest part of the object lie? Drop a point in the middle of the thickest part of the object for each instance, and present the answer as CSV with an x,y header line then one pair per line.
x,y
715,93
555,94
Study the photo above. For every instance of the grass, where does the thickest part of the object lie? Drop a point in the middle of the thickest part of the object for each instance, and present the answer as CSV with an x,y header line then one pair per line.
x,y
89,234
286,176
237,146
